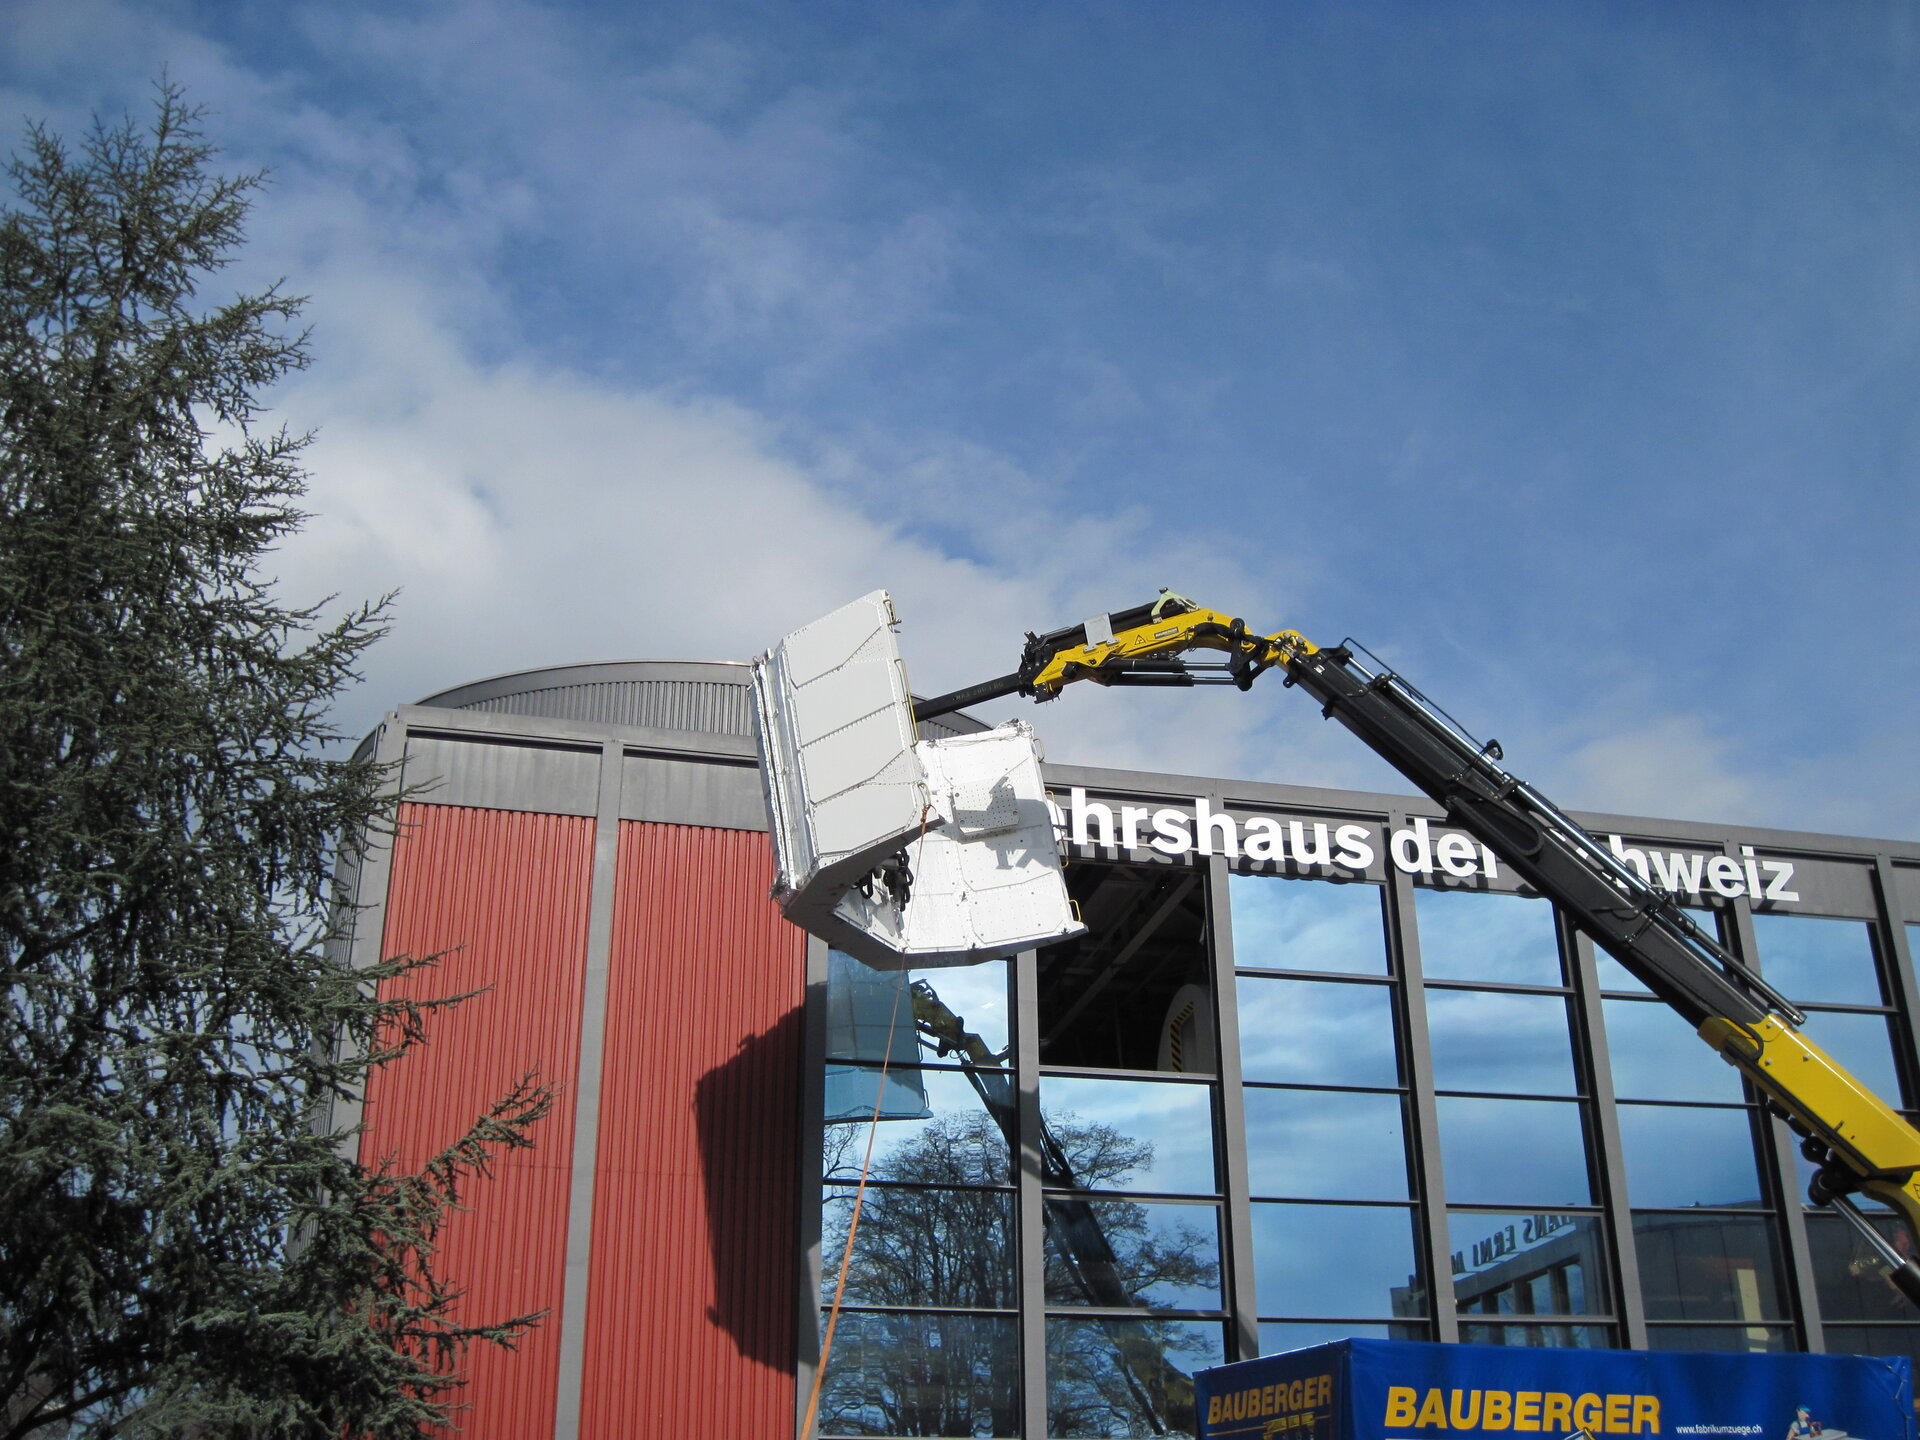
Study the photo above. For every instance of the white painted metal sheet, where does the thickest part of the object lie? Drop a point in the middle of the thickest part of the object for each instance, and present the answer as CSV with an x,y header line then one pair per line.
x,y
904,854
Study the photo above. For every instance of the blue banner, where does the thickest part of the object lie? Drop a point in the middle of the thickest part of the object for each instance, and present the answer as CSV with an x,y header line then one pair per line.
x,y
1402,1390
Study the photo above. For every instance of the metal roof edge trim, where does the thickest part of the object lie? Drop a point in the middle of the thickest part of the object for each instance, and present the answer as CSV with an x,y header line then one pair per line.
x,y
588,672
496,725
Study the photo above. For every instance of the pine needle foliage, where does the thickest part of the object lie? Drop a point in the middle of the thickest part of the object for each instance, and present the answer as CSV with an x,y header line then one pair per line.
x,y
185,1248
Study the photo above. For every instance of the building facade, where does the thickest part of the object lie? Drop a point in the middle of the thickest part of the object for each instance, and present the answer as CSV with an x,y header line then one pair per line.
x,y
1319,1068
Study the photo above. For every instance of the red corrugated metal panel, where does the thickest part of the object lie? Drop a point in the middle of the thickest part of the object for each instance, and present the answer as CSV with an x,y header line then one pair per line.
x,y
690,1309
510,890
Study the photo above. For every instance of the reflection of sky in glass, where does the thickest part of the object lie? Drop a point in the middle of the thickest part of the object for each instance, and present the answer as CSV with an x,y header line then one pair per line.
x,y
1559,1337
1818,961
1613,975
1277,1336
1316,1032
1678,1157
1468,935
1708,1267
1161,1250
1325,1260
1173,1120
977,994
1657,1056
1490,1040
1325,1145
1284,924
957,1144
1499,1249
1513,1152
1862,1045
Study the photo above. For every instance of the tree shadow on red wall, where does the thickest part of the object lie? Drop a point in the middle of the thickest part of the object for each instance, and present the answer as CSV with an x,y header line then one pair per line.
x,y
747,1111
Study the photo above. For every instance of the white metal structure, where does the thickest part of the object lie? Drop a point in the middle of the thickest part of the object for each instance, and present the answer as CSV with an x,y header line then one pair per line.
x,y
900,852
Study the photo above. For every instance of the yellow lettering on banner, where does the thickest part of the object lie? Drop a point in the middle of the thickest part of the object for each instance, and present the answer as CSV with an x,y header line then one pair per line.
x,y
1587,1413
1647,1408
1267,1396
1433,1411
1617,1422
1497,1410
1526,1410
1400,1400
1469,1420
1213,1411
1293,1396
1556,1412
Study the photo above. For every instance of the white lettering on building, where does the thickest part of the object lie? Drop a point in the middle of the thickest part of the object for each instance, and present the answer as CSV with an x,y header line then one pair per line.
x,y
1418,848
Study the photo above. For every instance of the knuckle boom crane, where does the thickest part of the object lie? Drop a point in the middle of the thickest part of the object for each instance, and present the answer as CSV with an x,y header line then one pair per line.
x,y
1859,1143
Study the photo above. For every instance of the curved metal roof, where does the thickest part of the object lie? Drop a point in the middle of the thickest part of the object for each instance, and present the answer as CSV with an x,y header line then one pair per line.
x,y
713,697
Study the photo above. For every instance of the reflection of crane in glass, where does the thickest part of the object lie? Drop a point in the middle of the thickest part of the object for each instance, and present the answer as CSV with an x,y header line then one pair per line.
x,y
1161,1392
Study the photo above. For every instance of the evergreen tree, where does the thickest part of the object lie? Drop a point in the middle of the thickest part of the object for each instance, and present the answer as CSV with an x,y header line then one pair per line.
x,y
185,1248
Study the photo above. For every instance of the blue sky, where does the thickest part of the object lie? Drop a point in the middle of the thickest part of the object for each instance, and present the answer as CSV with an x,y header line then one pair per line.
x,y
1565,355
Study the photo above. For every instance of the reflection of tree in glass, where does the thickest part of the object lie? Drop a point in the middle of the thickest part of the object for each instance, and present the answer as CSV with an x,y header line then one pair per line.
x,y
1110,1378
925,1241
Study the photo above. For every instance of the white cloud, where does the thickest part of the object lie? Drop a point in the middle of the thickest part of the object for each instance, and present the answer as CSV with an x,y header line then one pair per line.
x,y
537,507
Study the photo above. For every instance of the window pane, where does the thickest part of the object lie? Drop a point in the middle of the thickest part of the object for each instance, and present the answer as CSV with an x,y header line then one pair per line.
x,y
1326,1260
968,1005
1513,1152
1467,935
1862,1044
1657,1056
1564,1337
1325,1145
1709,1267
1279,1336
1753,1339
920,1247
1875,1340
1680,1157
1490,1040
1615,976
955,1140
1129,1134
1121,1252
1109,999
1126,1377
922,1375
1528,1264
1283,924
1316,1032
1818,961
1851,1281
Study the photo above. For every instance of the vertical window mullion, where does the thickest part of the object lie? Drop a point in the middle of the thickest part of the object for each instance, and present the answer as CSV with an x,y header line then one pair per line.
x,y
1597,1065
1782,1177
1030,1206
1891,943
1240,1296
1403,939
812,1128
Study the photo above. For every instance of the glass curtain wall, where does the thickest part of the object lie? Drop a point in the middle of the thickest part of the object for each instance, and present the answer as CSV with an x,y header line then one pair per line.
x,y
1428,1079
1835,971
